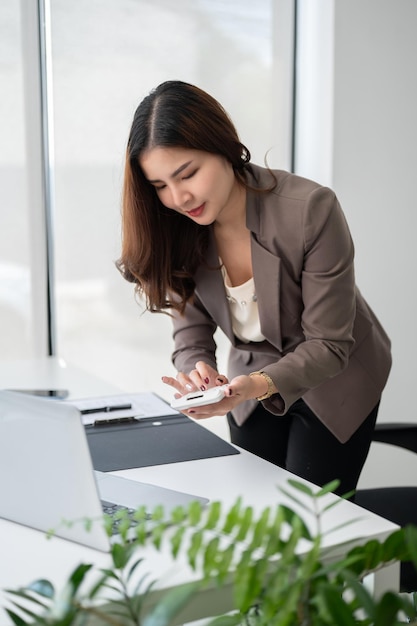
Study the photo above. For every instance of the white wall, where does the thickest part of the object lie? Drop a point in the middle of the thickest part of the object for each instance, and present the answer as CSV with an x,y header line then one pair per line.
x,y
374,133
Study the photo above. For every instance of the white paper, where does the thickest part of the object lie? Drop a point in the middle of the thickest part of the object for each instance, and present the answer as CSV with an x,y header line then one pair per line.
x,y
144,404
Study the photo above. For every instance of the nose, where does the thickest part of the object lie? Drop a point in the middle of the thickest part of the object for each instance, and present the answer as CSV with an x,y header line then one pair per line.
x,y
180,196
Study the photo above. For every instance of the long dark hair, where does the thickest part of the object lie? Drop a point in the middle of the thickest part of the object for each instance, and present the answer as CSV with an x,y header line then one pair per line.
x,y
162,249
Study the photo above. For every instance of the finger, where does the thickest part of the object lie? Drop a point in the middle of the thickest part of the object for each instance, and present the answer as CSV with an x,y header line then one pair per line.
x,y
198,381
221,379
172,382
211,410
228,391
200,415
180,384
209,376
186,381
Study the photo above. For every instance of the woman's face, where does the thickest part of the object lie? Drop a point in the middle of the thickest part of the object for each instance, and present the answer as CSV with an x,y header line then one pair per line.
x,y
197,184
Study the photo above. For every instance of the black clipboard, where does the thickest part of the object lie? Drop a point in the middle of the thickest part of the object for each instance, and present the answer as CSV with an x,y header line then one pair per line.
x,y
152,441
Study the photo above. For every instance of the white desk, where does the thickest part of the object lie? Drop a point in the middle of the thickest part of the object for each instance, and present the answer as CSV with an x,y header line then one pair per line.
x,y
26,555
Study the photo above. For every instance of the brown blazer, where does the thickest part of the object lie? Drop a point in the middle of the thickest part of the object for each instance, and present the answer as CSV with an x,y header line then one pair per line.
x,y
322,341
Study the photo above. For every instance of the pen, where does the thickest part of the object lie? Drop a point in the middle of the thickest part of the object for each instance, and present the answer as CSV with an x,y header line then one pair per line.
x,y
115,420
106,409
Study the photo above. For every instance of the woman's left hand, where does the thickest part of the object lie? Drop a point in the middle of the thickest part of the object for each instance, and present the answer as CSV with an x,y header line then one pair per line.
x,y
240,389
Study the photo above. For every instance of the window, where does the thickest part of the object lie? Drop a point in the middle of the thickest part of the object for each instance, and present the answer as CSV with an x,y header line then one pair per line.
x,y
106,56
15,246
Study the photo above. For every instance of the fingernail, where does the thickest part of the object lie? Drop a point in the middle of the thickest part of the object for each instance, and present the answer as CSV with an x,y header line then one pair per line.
x,y
191,411
202,388
189,387
220,379
206,380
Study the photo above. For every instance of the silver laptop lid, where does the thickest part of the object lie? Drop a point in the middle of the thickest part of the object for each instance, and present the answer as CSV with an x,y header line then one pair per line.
x,y
47,474
46,470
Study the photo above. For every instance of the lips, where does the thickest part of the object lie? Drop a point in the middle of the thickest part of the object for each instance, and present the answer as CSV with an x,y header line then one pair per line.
x,y
196,212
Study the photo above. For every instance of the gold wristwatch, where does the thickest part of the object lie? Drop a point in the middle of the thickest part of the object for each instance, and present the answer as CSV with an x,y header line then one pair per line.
x,y
271,387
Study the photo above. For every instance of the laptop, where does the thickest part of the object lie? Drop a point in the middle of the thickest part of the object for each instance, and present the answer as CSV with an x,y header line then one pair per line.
x,y
47,476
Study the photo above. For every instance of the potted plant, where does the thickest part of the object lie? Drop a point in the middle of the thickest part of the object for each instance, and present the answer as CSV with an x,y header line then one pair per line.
x,y
274,582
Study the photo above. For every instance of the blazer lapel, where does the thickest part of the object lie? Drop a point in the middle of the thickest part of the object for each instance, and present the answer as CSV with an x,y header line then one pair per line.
x,y
266,268
266,273
210,290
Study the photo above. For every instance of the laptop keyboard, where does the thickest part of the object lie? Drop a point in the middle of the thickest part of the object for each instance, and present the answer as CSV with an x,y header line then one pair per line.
x,y
110,508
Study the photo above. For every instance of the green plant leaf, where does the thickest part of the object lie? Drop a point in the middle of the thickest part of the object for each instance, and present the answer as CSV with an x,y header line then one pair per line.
x,y
194,512
94,590
158,513
273,543
388,608
366,557
298,501
339,526
140,514
225,562
244,524
260,528
133,567
194,548
78,575
332,504
362,595
178,514
348,494
327,488
141,533
16,619
300,486
176,540
123,528
141,585
108,524
227,620
23,593
112,586
211,556
158,534
396,546
232,517
292,518
213,515
42,587
331,603
26,611
250,578
170,605
410,533
109,573
120,554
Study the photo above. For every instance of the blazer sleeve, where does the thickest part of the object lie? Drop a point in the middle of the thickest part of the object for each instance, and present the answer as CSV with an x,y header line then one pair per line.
x,y
329,304
193,335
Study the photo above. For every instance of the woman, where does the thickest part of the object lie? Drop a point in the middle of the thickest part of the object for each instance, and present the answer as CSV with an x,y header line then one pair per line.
x,y
267,256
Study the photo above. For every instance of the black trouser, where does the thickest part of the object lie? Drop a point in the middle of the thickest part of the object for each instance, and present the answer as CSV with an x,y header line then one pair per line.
x,y
300,443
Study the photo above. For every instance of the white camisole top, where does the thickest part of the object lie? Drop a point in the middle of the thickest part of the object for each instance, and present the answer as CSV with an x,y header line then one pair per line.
x,y
243,309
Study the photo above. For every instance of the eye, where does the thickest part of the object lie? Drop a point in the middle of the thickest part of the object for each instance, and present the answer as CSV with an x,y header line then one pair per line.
x,y
190,175
159,187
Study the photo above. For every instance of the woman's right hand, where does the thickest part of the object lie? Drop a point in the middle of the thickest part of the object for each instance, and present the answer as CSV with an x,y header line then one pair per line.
x,y
202,377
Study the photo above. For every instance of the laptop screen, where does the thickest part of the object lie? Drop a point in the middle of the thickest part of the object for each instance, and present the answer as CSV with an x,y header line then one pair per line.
x,y
48,474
